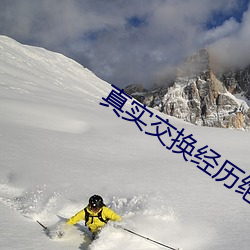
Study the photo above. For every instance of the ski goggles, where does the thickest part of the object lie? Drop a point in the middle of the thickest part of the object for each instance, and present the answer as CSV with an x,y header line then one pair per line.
x,y
94,208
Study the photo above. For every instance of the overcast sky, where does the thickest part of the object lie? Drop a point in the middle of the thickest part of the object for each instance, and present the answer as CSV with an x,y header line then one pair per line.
x,y
131,41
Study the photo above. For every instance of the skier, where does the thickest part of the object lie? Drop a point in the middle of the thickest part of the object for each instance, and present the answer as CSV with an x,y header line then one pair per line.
x,y
95,214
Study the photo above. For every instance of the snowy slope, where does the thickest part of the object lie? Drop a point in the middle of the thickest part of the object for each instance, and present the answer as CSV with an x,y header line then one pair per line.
x,y
58,146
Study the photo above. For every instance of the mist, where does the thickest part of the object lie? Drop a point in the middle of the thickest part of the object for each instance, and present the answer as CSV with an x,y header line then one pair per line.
x,y
126,42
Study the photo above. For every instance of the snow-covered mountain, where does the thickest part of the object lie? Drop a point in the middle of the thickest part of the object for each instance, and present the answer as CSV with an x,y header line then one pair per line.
x,y
237,81
201,95
58,146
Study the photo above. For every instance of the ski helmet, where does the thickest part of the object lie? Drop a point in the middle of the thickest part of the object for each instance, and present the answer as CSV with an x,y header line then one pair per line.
x,y
95,202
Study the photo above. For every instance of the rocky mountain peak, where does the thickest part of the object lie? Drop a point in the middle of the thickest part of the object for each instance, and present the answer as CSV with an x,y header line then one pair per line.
x,y
200,96
194,65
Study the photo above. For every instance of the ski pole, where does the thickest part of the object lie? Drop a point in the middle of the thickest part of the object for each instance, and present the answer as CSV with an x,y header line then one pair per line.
x,y
45,228
146,238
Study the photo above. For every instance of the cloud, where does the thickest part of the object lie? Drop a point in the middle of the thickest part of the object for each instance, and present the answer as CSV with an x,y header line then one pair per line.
x,y
232,50
121,41
228,28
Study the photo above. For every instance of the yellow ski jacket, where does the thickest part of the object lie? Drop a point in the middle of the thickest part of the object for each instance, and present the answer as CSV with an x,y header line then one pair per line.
x,y
94,223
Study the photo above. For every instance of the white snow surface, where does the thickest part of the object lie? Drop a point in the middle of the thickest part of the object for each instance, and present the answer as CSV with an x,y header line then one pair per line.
x,y
59,146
